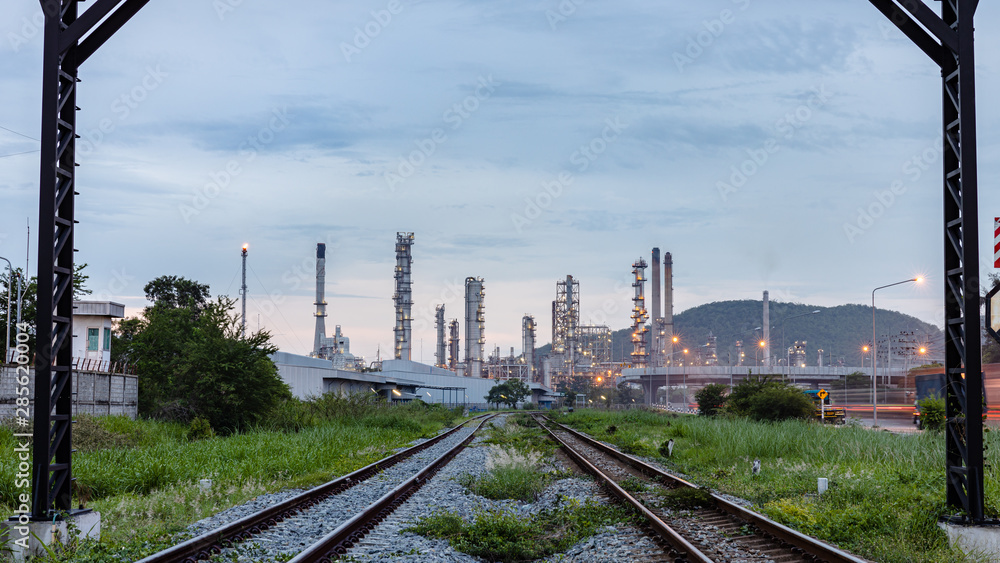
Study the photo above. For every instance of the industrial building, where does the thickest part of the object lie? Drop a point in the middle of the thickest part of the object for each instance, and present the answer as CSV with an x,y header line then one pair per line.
x,y
577,350
332,368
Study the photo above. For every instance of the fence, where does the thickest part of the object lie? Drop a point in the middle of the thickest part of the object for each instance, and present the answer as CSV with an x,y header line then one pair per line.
x,y
94,392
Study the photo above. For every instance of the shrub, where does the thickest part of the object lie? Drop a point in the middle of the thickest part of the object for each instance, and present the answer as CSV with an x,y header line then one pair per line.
x,y
200,429
711,398
781,402
932,413
529,406
763,399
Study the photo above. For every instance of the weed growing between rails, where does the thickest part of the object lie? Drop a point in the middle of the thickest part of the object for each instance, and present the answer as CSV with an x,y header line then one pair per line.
x,y
502,535
143,475
886,491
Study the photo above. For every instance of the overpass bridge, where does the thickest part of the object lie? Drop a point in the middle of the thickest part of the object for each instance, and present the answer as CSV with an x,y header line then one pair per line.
x,y
694,378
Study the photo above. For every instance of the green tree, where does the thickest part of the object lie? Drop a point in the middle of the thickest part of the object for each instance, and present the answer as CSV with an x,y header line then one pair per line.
x,y
192,361
509,393
173,291
711,398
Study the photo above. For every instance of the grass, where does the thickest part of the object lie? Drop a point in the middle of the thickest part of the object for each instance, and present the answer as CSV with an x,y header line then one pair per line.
x,y
502,535
142,476
886,490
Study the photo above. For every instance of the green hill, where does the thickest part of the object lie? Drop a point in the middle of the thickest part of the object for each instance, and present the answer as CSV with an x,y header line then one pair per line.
x,y
840,331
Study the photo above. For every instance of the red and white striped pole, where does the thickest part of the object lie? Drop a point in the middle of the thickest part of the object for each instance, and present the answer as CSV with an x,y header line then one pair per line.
x,y
996,242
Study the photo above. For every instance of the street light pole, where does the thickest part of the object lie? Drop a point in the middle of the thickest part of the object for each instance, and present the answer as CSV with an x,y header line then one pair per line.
x,y
10,284
875,349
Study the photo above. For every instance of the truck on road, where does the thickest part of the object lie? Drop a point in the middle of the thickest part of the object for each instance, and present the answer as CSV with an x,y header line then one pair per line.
x,y
827,412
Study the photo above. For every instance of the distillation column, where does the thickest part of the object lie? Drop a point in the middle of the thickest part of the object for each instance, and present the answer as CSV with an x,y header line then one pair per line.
x,y
528,344
475,326
403,298
657,313
640,358
453,345
668,306
439,325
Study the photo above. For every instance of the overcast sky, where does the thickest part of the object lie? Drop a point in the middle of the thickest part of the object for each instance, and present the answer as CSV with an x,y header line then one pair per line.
x,y
758,142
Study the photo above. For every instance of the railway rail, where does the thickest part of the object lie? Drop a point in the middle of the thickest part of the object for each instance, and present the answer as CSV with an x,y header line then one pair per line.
x,y
723,531
347,532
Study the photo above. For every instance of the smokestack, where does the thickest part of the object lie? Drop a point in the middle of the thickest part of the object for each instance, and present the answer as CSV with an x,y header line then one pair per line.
x,y
528,344
475,326
453,345
403,298
767,332
668,304
439,324
320,300
656,314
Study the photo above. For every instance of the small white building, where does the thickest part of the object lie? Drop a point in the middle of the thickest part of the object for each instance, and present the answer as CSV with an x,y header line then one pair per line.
x,y
92,323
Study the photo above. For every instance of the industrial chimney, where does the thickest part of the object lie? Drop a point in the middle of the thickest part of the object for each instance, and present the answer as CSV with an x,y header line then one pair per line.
x,y
668,305
403,298
320,303
475,326
439,324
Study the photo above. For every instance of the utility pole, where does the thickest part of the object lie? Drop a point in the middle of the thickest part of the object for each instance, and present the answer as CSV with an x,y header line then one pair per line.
x,y
70,38
948,41
243,293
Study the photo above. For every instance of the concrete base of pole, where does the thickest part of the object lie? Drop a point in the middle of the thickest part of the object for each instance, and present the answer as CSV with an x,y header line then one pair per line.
x,y
974,540
24,539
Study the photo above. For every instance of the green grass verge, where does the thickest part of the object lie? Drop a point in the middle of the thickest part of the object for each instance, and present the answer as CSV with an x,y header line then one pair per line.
x,y
142,476
886,490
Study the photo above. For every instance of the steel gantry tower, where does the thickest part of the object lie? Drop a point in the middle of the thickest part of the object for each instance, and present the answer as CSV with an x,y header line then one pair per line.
x,y
71,37
948,40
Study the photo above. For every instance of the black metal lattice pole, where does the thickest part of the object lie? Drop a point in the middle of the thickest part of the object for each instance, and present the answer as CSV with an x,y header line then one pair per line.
x,y
70,38
948,41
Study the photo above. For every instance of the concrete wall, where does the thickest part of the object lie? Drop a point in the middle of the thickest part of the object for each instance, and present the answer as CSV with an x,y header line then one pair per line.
x,y
93,393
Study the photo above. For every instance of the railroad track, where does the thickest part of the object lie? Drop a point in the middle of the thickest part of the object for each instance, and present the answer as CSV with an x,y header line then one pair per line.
x,y
344,533
721,531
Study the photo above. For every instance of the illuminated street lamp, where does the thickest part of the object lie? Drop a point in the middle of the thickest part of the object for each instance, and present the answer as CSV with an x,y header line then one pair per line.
x,y
875,348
